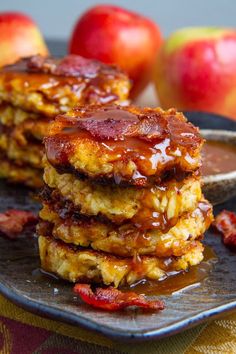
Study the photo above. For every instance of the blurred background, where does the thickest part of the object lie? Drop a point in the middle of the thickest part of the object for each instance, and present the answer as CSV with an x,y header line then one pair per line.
x,y
56,18
203,81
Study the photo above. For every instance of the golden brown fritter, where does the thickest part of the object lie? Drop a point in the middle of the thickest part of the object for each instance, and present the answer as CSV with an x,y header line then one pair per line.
x,y
21,139
22,125
21,135
30,130
34,90
125,144
156,207
75,265
21,146
51,86
20,174
27,155
11,116
126,240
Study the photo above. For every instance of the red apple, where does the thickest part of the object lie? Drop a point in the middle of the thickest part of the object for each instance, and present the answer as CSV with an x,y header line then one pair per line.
x,y
196,70
19,37
117,36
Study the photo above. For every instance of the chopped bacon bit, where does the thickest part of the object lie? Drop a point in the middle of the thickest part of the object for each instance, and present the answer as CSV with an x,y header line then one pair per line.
x,y
13,221
71,65
116,122
112,299
225,223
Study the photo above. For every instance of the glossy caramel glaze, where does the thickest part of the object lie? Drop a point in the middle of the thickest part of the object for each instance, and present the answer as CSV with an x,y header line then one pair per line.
x,y
131,144
177,280
53,86
158,207
126,239
84,264
172,282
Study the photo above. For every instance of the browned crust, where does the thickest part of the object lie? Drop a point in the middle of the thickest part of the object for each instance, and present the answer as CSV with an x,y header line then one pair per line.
x,y
166,261
75,264
52,86
133,145
24,174
126,239
157,207
117,122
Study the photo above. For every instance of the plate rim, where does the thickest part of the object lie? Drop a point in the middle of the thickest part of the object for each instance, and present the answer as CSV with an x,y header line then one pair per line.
x,y
61,315
57,314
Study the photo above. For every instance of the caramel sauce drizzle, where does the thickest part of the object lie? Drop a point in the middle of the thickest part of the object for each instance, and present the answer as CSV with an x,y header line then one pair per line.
x,y
177,281
113,130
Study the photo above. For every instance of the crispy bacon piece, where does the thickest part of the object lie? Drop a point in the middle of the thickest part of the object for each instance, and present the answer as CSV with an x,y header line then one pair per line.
x,y
112,299
71,65
225,223
13,221
116,122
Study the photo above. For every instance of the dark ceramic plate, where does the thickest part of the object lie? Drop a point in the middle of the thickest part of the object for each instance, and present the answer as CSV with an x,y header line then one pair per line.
x,y
211,121
22,282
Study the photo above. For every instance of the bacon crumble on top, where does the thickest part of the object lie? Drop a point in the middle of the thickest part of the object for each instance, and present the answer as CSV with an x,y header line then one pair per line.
x,y
126,145
117,122
71,65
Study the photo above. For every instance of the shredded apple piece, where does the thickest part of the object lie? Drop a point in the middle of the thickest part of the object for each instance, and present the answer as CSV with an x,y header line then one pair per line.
x,y
225,223
112,299
13,221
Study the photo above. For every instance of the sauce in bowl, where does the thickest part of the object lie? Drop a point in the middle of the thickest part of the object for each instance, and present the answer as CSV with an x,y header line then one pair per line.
x,y
218,157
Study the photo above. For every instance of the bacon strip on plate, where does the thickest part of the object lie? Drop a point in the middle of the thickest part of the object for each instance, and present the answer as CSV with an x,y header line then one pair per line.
x,y
225,223
112,299
13,221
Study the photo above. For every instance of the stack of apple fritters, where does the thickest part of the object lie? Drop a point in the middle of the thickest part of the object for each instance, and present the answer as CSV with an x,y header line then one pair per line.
x,y
122,200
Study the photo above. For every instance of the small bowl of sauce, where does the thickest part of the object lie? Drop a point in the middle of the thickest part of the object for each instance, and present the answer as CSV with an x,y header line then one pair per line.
x,y
219,165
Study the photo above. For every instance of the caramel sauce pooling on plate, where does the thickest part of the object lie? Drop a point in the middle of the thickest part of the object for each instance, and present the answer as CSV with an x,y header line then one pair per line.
x,y
177,281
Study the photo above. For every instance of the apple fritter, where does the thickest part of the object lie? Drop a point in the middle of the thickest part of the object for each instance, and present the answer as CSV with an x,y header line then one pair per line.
x,y
51,86
78,264
26,175
125,240
126,145
27,155
156,207
11,116
21,125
